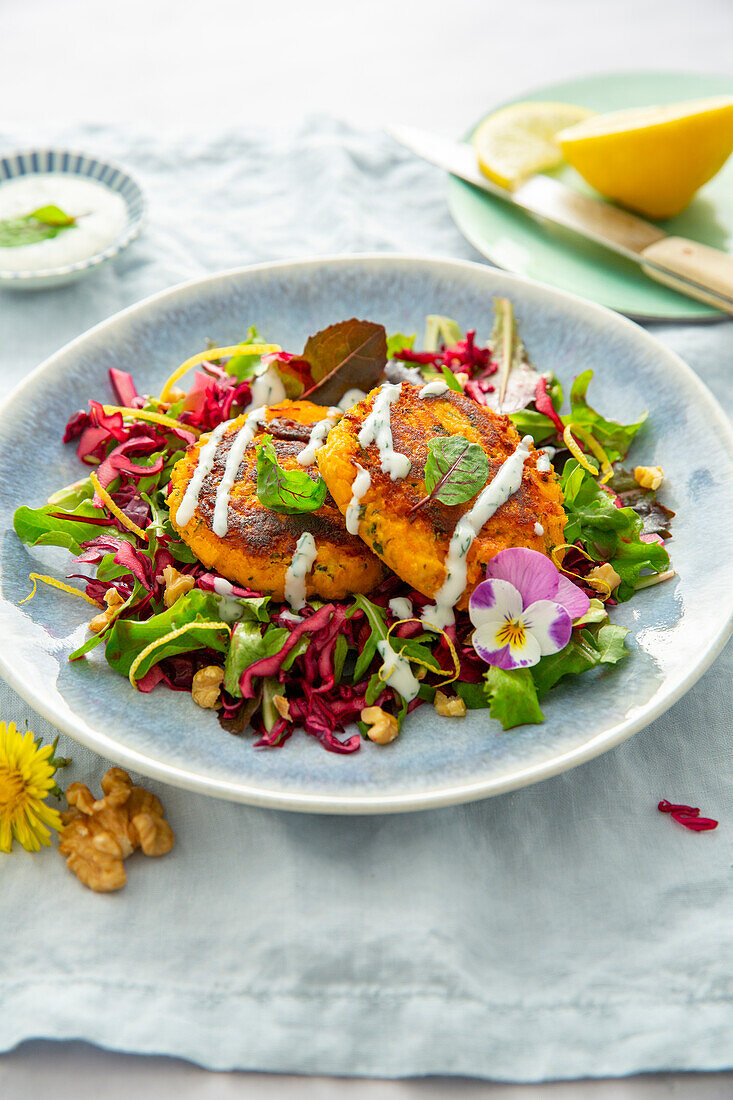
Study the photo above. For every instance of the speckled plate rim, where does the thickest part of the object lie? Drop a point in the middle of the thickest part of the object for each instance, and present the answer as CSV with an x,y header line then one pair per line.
x,y
44,160
452,794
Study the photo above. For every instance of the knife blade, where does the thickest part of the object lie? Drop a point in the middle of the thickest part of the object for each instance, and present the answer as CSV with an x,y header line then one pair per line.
x,y
692,268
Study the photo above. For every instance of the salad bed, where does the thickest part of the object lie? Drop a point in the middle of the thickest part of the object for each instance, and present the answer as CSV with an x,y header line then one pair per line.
x,y
320,672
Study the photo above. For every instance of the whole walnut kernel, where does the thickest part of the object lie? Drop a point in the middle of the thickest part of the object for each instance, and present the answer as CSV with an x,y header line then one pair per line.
x,y
99,834
206,685
176,585
383,726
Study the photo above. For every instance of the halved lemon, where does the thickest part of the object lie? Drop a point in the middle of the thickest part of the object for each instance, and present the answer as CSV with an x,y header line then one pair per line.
x,y
519,140
652,159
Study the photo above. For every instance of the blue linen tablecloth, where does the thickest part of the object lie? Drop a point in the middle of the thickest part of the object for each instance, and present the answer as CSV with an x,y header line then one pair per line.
x,y
565,930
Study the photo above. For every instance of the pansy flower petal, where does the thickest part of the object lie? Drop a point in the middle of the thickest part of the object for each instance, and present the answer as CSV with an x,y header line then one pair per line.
x,y
549,624
572,598
494,599
488,647
491,646
525,652
532,573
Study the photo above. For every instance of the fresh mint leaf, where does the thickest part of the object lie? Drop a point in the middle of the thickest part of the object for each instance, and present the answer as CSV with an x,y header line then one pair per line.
x,y
52,215
40,225
455,470
287,491
512,697
348,355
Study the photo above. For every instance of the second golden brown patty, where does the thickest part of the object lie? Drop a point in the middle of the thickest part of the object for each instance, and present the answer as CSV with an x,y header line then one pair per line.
x,y
259,545
414,544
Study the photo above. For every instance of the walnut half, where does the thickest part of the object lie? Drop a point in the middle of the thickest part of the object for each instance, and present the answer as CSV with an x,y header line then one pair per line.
x,y
206,686
99,834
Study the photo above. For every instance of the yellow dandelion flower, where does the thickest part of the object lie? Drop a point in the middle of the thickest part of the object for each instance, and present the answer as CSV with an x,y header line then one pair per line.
x,y
26,778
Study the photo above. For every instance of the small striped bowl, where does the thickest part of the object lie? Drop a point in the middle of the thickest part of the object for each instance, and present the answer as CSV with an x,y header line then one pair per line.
x,y
33,161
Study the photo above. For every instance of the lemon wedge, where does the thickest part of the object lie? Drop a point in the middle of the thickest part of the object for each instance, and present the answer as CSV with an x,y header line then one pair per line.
x,y
519,140
652,159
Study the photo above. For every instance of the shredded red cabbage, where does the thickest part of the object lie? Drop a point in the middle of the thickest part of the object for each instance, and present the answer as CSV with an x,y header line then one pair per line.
x,y
688,816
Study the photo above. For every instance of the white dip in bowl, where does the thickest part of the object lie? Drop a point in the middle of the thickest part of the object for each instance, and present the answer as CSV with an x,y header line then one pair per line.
x,y
102,216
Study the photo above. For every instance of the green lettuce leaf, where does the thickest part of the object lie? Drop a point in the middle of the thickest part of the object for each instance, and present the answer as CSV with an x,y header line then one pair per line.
x,y
608,533
615,438
512,697
48,526
127,637
588,648
398,342
248,645
244,367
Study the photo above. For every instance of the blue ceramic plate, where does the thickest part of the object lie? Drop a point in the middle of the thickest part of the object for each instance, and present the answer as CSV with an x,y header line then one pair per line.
x,y
677,628
31,162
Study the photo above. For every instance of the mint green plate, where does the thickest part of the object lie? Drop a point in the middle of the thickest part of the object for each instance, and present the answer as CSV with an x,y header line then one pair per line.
x,y
515,241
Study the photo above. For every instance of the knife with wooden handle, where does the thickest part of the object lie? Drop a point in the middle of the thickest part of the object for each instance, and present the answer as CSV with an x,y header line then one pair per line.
x,y
691,268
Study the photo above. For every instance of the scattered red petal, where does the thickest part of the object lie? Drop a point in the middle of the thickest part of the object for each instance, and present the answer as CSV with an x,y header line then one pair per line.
x,y
688,816
544,405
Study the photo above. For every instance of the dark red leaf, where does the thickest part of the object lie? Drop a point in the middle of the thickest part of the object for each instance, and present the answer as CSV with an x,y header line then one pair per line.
x,y
351,354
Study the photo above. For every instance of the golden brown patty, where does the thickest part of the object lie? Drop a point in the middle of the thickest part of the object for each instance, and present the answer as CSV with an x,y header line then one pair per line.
x,y
415,544
259,545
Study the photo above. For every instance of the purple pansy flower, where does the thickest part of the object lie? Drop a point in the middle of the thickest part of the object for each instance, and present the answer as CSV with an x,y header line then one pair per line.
x,y
523,610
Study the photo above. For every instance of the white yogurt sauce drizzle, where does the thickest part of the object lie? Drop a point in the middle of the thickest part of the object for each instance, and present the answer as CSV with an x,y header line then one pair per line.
x,y
298,570
203,467
318,437
506,482
396,671
267,388
360,485
242,440
223,587
350,398
378,429
436,388
543,460
539,529
401,607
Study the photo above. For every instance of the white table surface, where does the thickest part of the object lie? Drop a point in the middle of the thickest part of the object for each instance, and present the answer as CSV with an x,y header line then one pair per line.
x,y
183,63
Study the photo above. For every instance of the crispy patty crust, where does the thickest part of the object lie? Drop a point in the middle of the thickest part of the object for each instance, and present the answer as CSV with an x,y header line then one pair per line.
x,y
414,544
259,545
